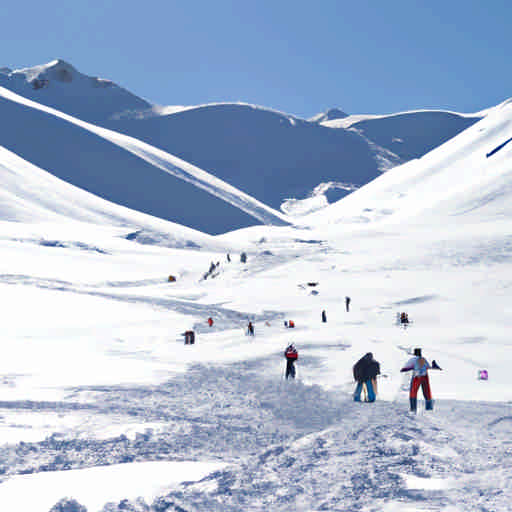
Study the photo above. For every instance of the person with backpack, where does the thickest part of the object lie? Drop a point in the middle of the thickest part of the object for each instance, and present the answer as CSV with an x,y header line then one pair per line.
x,y
291,354
420,366
365,374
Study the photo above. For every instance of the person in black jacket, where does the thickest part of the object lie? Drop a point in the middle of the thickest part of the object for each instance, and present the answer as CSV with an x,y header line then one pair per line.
x,y
365,374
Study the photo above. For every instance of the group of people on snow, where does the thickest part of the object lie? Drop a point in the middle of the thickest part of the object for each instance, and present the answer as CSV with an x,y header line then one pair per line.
x,y
367,368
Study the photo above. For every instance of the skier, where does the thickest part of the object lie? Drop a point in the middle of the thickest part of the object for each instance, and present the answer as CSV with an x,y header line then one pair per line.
x,y
365,374
324,316
228,257
250,329
420,366
210,321
291,354
347,303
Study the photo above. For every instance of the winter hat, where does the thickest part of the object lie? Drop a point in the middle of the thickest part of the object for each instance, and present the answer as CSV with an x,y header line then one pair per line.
x,y
417,352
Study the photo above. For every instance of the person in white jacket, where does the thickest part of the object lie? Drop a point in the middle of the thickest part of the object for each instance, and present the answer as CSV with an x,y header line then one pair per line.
x,y
420,366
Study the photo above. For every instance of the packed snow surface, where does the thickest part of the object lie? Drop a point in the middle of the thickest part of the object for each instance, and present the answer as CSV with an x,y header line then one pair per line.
x,y
104,408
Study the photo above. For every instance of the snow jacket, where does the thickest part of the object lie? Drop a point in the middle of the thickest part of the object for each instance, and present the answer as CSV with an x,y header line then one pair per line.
x,y
366,368
291,352
418,365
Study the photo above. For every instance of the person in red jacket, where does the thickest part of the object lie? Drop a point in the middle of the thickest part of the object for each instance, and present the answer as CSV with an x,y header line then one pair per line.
x,y
291,354
210,321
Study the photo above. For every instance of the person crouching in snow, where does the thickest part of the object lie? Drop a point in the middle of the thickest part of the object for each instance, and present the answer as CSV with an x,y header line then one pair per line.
x,y
291,354
420,366
365,374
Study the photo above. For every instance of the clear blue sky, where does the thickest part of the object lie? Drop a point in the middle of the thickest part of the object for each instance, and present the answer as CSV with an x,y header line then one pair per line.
x,y
296,56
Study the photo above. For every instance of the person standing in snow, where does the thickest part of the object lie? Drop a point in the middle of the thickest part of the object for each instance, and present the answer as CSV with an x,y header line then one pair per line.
x,y
210,321
420,366
250,329
365,374
324,316
291,354
347,303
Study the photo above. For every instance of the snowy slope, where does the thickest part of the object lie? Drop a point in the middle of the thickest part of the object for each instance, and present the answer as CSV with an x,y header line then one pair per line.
x,y
124,170
453,181
30,195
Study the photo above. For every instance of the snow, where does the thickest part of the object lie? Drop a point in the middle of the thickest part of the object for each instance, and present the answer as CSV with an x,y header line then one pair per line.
x,y
93,487
101,400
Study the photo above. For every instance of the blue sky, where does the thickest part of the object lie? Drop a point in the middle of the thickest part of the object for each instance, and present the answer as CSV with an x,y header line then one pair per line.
x,y
295,56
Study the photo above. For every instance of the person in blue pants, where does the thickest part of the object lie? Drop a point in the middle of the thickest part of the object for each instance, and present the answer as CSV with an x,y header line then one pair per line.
x,y
365,374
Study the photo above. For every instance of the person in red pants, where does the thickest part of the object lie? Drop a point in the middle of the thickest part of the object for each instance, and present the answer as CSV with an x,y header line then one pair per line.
x,y
420,366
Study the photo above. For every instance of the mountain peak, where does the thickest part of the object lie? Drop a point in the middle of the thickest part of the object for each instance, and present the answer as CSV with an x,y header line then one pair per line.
x,y
329,115
57,70
60,85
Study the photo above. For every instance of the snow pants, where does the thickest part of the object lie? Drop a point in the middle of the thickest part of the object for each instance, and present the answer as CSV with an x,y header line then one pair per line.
x,y
370,392
416,382
290,368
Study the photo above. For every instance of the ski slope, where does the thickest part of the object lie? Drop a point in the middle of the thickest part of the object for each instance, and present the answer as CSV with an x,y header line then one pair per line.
x,y
102,403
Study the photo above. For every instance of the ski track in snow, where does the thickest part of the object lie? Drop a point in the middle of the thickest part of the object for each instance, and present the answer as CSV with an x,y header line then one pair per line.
x,y
225,318
290,446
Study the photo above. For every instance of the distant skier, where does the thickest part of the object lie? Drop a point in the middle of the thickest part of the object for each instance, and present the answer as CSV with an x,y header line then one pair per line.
x,y
210,321
228,257
365,374
250,329
347,303
324,316
291,354
420,366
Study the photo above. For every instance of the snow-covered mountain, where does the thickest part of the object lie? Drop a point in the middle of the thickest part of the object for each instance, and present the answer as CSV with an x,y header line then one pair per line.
x,y
329,115
59,85
470,175
245,145
124,170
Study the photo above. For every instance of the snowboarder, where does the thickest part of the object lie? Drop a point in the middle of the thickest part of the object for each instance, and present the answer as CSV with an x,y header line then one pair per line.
x,y
324,316
365,374
291,354
347,303
420,366
250,329
210,321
